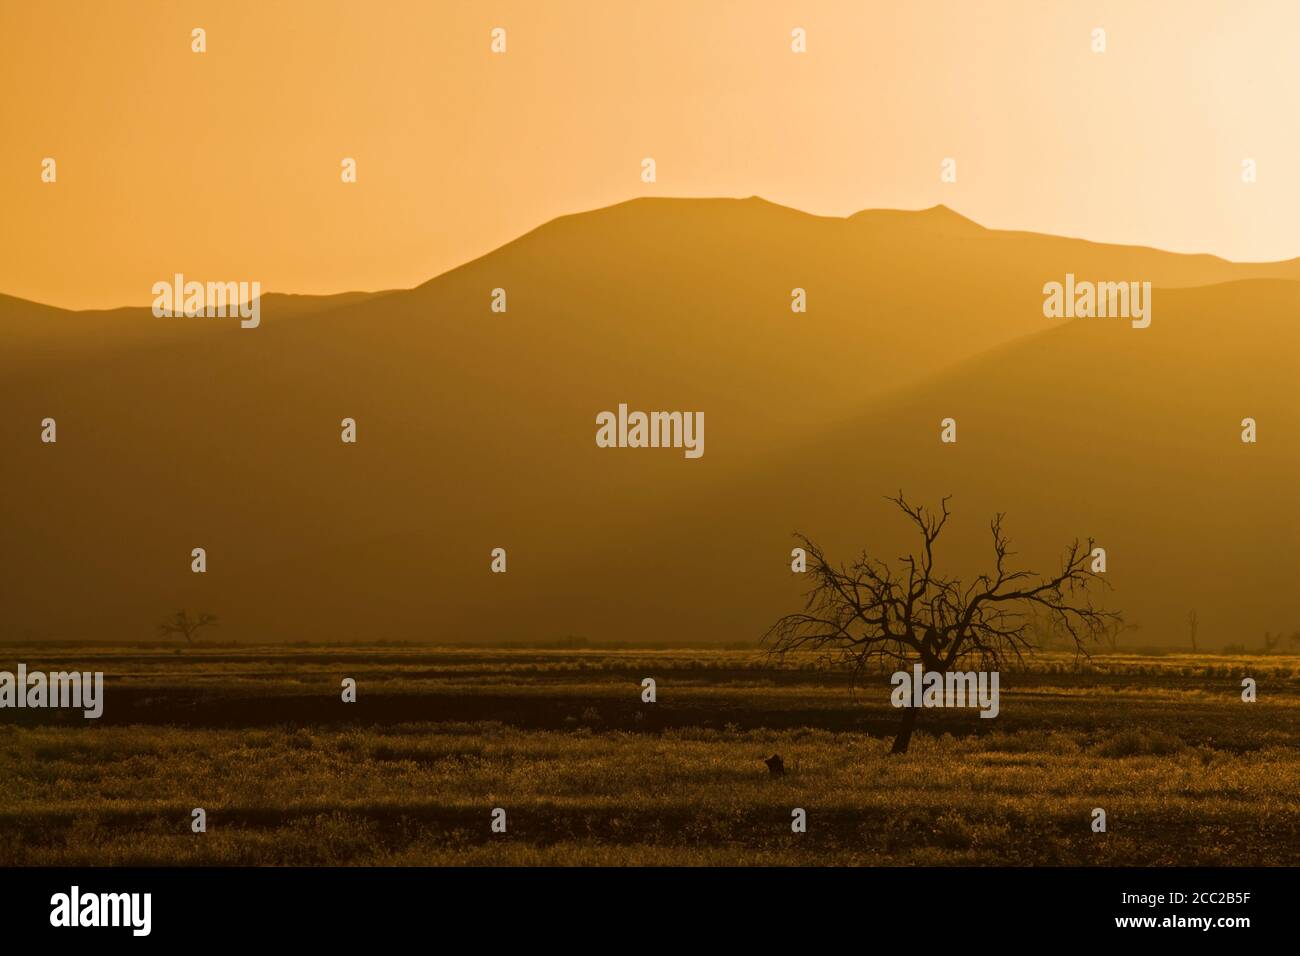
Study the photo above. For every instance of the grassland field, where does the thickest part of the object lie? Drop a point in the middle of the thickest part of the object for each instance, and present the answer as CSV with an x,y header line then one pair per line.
x,y
587,773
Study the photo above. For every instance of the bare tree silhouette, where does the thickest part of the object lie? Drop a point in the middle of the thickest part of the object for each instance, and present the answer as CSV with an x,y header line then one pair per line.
x,y
182,624
1192,624
867,613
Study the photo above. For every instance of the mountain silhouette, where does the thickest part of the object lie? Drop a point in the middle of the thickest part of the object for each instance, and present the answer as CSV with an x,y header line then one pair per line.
x,y
476,431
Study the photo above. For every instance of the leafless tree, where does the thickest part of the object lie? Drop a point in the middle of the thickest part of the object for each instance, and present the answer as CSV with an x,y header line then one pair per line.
x,y
182,624
1192,625
868,616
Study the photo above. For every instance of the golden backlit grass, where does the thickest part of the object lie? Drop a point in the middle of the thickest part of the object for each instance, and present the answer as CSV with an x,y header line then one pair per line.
x,y
1192,776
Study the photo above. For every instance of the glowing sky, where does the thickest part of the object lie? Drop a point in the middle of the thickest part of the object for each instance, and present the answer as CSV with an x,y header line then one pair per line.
x,y
226,164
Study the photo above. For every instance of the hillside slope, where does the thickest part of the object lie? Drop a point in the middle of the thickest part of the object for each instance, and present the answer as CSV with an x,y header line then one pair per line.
x,y
476,430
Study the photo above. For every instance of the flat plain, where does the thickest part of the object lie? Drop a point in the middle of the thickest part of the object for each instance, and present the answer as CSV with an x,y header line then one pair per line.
x,y
588,773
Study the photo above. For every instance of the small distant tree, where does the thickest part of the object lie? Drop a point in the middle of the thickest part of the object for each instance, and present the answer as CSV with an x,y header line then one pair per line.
x,y
868,614
1191,626
182,624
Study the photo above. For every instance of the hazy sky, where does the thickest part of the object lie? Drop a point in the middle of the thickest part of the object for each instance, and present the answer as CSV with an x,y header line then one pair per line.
x,y
226,165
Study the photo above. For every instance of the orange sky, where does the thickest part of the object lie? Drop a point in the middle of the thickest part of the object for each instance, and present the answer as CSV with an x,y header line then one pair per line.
x,y
225,165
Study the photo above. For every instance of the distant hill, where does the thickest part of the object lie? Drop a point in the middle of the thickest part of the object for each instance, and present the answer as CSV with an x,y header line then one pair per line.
x,y
476,430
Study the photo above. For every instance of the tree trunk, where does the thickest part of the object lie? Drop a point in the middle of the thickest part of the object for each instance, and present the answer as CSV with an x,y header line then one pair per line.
x,y
905,732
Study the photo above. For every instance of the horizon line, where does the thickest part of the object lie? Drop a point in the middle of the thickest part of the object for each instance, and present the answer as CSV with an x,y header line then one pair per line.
x,y
944,207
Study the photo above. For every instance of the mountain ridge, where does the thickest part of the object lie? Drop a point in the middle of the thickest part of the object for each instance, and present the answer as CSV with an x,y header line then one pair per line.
x,y
939,215
476,430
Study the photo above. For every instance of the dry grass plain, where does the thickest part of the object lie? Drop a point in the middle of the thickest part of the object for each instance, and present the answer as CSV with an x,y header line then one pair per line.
x,y
588,774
